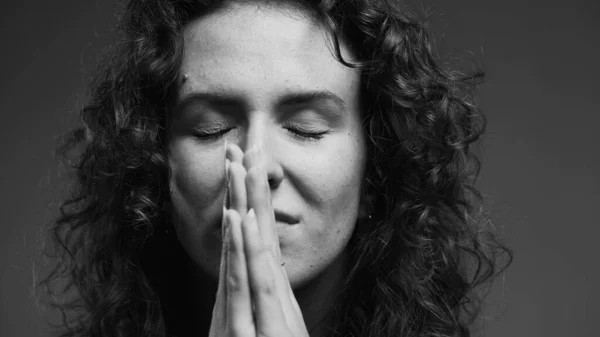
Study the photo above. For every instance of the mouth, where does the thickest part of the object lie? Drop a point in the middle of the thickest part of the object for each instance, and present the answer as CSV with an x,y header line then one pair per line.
x,y
281,216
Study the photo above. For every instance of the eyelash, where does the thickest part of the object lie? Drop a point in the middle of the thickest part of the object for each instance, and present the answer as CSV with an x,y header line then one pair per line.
x,y
302,133
306,132
205,136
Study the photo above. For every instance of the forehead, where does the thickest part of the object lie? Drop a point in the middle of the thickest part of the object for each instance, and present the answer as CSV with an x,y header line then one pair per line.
x,y
262,50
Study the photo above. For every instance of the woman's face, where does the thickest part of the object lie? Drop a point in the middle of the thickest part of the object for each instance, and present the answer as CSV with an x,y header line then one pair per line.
x,y
255,75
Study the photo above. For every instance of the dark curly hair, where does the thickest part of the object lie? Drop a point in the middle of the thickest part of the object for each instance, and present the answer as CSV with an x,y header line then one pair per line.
x,y
416,265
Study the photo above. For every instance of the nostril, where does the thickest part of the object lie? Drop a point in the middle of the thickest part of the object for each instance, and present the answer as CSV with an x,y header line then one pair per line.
x,y
274,175
275,182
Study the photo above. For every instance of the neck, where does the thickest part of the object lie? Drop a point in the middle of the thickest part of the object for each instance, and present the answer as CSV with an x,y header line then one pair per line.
x,y
316,298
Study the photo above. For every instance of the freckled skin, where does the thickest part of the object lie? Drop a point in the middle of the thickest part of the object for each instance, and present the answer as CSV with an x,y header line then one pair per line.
x,y
262,54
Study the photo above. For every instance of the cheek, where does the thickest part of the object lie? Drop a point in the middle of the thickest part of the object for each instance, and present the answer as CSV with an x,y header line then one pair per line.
x,y
340,210
332,190
195,186
337,186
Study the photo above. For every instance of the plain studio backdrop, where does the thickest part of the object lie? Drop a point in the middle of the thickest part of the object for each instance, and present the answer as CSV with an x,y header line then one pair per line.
x,y
540,170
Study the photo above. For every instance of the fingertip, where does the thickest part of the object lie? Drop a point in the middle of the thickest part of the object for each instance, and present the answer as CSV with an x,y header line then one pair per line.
x,y
228,217
237,168
250,218
252,175
251,214
233,216
234,153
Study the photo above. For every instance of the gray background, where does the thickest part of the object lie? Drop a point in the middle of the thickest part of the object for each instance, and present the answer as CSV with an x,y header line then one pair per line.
x,y
540,173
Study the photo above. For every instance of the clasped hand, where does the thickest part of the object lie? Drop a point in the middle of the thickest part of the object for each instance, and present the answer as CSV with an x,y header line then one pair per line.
x,y
254,296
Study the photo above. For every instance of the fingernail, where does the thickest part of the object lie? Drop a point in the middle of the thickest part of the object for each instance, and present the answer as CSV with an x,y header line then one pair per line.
x,y
251,215
227,165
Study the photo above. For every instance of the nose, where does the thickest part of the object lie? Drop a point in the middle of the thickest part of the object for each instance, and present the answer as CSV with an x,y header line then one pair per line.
x,y
258,133
274,173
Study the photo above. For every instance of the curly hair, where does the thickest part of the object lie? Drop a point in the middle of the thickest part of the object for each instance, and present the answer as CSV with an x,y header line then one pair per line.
x,y
415,266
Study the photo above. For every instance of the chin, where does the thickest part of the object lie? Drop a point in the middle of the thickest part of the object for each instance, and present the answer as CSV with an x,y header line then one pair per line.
x,y
303,274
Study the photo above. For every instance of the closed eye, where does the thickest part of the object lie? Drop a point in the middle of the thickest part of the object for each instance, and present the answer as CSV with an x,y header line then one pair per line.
x,y
211,134
301,132
306,132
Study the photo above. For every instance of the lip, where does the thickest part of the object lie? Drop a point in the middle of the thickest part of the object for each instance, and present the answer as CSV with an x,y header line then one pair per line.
x,y
282,216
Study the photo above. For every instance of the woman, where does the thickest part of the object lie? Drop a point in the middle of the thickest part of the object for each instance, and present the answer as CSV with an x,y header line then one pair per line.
x,y
274,168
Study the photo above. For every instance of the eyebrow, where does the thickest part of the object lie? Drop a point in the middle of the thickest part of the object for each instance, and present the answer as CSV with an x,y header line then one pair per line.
x,y
288,99
308,97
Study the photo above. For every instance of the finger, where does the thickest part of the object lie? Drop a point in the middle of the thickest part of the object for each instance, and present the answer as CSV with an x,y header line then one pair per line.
x,y
234,153
237,188
292,318
219,309
295,304
269,318
288,286
259,198
291,294
239,303
226,198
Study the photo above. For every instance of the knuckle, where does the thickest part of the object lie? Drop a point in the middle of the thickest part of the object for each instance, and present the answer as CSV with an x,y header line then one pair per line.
x,y
231,245
237,170
233,283
256,176
263,252
251,251
272,331
271,253
239,329
266,286
252,175
271,249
